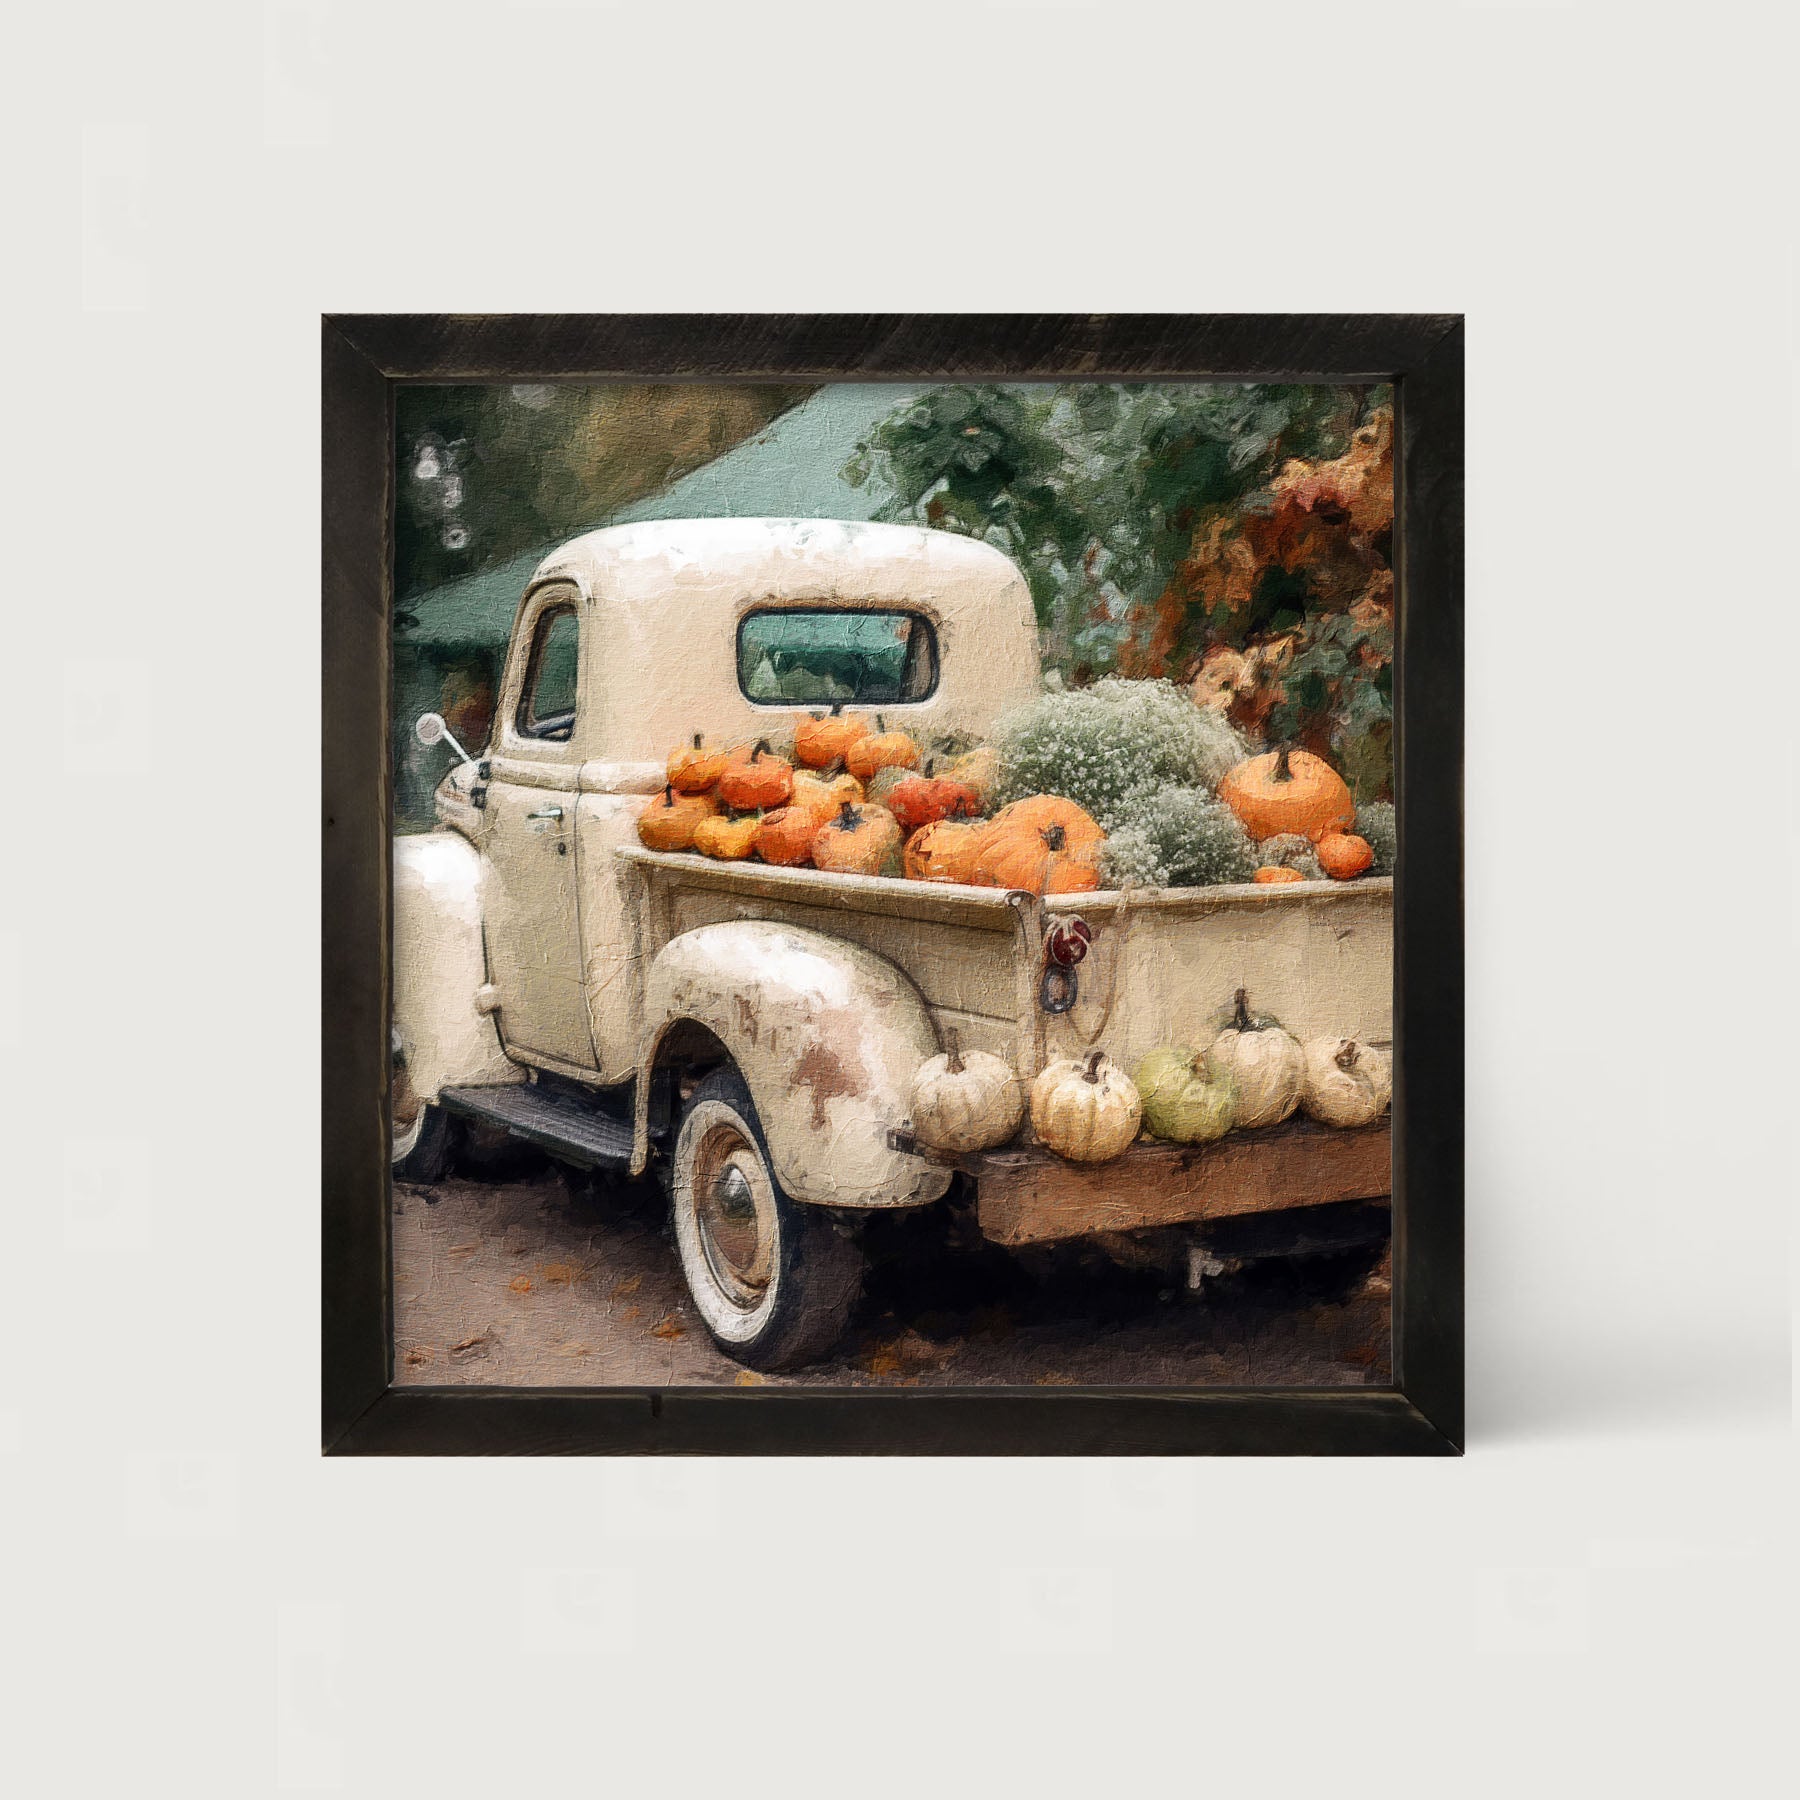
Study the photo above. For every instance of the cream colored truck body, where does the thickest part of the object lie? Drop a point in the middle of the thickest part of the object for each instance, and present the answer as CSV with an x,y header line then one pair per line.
x,y
607,964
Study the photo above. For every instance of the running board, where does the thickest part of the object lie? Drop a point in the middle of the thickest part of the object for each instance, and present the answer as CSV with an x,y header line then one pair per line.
x,y
572,1129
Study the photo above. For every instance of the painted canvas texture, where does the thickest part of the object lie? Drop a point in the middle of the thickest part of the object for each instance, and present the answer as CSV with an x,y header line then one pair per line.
x,y
893,884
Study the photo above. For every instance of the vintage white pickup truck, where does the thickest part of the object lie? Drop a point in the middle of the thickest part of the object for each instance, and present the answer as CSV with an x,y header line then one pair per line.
x,y
750,1032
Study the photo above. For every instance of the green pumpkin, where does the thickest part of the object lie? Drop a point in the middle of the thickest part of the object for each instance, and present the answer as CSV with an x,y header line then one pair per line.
x,y
1184,1101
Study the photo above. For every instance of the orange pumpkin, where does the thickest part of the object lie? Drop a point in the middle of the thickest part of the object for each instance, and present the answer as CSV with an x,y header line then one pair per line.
x,y
693,769
1037,859
945,851
730,840
784,838
822,794
881,750
822,739
1342,856
1275,874
1288,790
1080,828
917,800
861,840
761,779
669,821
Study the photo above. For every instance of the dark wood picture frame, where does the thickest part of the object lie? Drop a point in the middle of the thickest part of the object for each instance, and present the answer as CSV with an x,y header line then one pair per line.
x,y
365,357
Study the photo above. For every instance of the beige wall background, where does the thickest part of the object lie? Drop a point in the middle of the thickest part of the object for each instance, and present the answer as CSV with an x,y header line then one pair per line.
x,y
1593,1598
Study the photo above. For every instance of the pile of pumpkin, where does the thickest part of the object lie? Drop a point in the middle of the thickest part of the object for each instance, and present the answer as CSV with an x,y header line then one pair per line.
x,y
1087,1109
856,799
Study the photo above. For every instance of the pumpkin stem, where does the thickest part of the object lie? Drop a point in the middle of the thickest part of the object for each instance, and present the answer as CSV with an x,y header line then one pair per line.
x,y
1346,1055
1092,1071
848,817
1281,771
1054,837
762,749
953,1050
699,738
668,793
1242,1021
837,707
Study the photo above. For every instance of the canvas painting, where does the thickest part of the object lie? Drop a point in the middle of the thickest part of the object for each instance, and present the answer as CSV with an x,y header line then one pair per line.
x,y
893,885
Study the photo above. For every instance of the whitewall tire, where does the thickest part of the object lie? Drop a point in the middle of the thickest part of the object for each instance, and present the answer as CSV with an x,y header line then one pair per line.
x,y
772,1280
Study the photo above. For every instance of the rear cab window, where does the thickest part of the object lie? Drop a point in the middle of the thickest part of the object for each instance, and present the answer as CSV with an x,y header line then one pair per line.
x,y
818,655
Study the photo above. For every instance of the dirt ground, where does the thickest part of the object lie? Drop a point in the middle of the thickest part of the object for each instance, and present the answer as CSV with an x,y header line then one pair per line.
x,y
535,1279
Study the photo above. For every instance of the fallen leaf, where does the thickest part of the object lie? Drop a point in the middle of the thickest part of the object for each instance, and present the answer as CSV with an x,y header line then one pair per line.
x,y
748,1378
668,1328
629,1285
1054,1378
520,1284
417,1359
470,1345
630,1315
561,1274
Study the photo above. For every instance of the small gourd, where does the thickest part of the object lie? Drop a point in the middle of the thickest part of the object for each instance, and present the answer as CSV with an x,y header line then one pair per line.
x,y
761,779
964,1101
945,851
1342,856
881,749
1276,875
1347,1083
785,837
670,820
730,840
1288,790
861,840
693,768
1184,1099
979,769
917,800
1265,1066
1086,1110
823,792
825,738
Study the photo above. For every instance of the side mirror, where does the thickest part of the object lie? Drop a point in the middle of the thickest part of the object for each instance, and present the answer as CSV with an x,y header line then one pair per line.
x,y
431,729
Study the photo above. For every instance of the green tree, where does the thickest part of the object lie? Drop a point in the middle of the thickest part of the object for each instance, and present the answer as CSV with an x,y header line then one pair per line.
x,y
1165,527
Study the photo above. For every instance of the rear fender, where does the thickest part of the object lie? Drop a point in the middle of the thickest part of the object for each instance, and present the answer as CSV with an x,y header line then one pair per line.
x,y
828,1037
440,967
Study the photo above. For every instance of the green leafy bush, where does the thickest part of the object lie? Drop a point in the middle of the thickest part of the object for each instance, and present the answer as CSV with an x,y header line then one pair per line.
x,y
1108,746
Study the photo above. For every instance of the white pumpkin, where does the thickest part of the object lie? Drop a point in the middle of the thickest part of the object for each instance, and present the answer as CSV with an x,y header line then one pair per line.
x,y
1347,1083
1086,1110
965,1100
1266,1067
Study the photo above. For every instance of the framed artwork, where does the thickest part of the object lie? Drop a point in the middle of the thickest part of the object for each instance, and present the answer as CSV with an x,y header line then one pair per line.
x,y
892,884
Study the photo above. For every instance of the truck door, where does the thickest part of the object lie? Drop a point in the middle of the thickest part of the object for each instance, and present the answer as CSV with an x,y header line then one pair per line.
x,y
531,906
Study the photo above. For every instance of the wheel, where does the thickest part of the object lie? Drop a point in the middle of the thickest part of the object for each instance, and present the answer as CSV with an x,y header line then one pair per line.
x,y
421,1142
773,1280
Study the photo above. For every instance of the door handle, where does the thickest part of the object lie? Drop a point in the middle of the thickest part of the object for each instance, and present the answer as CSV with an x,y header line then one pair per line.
x,y
546,812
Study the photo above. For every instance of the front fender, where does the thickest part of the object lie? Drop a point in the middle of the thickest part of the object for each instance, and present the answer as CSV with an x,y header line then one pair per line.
x,y
440,965
828,1036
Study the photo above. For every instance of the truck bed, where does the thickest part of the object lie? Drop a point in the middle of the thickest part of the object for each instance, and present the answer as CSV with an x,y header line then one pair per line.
x,y
1162,967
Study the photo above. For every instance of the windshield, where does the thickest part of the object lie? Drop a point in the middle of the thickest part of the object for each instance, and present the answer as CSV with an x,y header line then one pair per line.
x,y
824,655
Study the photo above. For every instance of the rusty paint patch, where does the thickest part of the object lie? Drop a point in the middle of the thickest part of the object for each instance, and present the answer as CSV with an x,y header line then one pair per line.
x,y
749,1021
829,1077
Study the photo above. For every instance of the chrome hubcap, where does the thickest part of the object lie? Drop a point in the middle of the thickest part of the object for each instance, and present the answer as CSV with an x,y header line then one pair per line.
x,y
736,1216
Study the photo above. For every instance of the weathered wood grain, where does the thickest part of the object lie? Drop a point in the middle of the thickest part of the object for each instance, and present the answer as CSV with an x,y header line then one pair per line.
x,y
1032,1197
